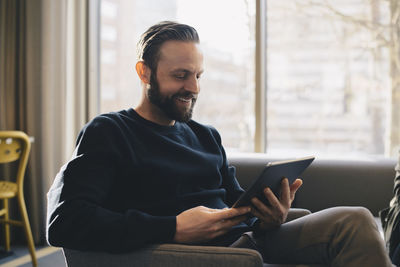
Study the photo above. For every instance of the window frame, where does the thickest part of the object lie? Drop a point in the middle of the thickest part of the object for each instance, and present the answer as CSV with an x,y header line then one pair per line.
x,y
93,60
260,135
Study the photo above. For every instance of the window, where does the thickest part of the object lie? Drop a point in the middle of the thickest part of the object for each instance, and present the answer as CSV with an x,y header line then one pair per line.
x,y
330,90
331,71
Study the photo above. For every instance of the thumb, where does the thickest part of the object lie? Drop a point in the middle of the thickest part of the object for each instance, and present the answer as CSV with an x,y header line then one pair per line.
x,y
295,186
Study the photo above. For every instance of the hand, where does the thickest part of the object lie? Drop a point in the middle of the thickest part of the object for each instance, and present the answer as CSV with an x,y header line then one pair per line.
x,y
276,214
201,224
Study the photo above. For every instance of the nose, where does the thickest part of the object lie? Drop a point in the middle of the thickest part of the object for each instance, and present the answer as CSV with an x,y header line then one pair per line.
x,y
192,85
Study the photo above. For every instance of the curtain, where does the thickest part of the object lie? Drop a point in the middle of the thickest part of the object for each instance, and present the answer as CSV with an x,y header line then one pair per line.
x,y
45,87
14,106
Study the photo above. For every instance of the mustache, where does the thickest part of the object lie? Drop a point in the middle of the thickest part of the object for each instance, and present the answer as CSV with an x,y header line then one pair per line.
x,y
185,95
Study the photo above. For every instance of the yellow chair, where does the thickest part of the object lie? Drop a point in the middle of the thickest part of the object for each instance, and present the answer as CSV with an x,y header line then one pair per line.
x,y
15,145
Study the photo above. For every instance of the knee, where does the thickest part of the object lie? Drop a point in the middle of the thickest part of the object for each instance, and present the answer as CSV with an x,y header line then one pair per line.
x,y
360,217
360,214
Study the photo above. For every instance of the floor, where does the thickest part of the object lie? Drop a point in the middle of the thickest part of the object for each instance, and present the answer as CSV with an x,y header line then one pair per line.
x,y
20,257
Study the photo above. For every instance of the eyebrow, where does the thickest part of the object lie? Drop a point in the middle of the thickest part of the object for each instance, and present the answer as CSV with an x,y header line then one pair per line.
x,y
186,71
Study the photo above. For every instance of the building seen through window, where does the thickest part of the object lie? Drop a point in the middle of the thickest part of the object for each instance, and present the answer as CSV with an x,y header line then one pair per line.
x,y
329,78
331,71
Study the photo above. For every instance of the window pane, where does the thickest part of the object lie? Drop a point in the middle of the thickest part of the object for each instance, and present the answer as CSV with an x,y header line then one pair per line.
x,y
329,83
226,100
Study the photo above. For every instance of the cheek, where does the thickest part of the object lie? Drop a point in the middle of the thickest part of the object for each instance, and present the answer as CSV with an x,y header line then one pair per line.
x,y
170,87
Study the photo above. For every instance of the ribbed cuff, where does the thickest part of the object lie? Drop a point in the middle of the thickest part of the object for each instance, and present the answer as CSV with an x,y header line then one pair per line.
x,y
147,229
163,227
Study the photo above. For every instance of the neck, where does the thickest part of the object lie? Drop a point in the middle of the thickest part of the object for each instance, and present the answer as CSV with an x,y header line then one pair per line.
x,y
153,113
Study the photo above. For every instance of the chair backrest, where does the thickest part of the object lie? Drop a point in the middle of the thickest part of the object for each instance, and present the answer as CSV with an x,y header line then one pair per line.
x,y
15,145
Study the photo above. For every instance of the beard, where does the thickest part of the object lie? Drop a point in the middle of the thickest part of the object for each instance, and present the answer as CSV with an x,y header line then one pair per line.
x,y
167,103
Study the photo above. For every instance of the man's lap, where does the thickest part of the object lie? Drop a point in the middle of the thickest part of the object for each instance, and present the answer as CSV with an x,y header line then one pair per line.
x,y
313,239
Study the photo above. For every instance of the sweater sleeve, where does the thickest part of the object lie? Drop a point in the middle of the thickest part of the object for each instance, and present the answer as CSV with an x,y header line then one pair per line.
x,y
78,217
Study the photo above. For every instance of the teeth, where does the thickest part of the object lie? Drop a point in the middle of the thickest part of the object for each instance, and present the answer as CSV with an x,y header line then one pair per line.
x,y
184,99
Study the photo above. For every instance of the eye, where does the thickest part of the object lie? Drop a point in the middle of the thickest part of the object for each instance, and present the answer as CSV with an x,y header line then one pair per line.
x,y
180,76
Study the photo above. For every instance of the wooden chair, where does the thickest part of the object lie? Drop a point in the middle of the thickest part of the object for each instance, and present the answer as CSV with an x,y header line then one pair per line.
x,y
15,145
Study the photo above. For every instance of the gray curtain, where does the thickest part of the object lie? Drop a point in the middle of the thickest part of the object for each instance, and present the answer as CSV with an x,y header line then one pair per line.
x,y
44,87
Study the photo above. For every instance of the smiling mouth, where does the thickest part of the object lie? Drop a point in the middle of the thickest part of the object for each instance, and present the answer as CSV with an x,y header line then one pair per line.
x,y
185,100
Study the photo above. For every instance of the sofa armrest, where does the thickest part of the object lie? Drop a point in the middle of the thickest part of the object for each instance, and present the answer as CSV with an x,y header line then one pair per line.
x,y
168,255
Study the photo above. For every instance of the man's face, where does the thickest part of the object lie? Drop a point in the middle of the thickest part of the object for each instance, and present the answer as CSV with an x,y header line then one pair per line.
x,y
175,86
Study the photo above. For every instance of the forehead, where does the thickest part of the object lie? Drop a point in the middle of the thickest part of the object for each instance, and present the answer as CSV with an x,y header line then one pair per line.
x,y
181,55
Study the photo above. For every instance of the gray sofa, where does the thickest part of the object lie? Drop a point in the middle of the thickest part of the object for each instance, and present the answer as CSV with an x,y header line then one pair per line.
x,y
330,183
327,183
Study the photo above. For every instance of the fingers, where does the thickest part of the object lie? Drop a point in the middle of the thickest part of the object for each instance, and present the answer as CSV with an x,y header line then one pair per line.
x,y
266,218
285,192
201,223
260,207
234,221
294,187
289,191
270,216
296,184
225,226
270,196
230,213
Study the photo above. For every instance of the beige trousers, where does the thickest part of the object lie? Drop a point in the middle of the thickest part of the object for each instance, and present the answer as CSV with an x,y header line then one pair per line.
x,y
340,237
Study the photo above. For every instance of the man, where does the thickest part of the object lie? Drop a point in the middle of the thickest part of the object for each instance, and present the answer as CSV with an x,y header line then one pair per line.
x,y
152,175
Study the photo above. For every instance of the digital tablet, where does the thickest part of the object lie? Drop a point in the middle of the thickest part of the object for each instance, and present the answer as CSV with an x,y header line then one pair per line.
x,y
271,177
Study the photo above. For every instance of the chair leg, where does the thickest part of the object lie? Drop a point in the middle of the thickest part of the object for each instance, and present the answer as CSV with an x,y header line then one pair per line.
x,y
27,229
6,226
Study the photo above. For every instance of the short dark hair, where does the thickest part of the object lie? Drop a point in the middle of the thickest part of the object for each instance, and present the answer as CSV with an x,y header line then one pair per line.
x,y
148,48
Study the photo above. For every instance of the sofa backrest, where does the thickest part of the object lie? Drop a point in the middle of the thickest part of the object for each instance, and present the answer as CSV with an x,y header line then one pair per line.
x,y
330,183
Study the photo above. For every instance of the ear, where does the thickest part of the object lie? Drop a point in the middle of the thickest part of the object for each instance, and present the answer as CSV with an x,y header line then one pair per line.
x,y
143,72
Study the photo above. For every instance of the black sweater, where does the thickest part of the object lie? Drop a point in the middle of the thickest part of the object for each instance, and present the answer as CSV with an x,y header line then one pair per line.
x,y
129,178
